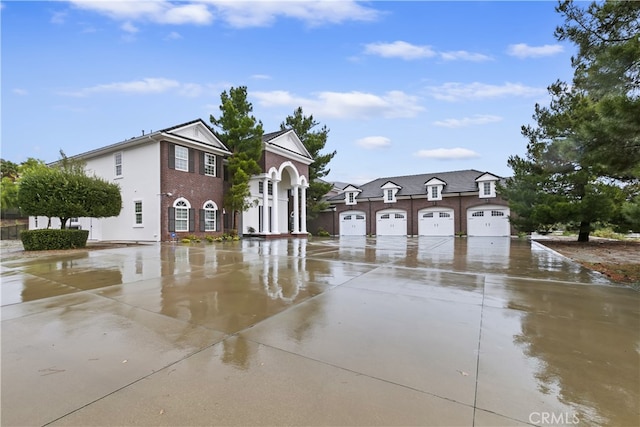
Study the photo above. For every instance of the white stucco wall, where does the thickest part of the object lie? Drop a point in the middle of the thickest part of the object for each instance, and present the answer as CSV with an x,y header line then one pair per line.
x,y
140,180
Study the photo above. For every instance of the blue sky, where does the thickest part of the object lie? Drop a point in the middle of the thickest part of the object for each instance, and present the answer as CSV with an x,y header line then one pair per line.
x,y
404,87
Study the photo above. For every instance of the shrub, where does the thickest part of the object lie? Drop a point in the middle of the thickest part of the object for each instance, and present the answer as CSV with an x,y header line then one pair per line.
x,y
51,239
322,232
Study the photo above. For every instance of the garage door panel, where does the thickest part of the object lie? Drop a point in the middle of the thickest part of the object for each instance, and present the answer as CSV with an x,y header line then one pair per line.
x,y
436,222
353,223
391,223
488,221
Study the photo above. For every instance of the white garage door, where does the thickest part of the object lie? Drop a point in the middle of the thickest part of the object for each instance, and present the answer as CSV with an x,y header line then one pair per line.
x,y
353,223
391,223
435,222
488,220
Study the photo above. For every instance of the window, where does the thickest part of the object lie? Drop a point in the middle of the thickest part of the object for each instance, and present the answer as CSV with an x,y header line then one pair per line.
x,y
361,217
399,216
35,224
182,213
445,215
182,158
497,213
209,164
137,209
385,216
270,189
389,195
117,159
478,213
351,198
210,210
486,186
347,217
260,187
427,215
434,192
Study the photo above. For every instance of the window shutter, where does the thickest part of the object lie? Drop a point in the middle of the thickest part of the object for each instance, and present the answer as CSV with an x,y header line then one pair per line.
x,y
192,220
172,219
192,154
201,169
201,213
172,156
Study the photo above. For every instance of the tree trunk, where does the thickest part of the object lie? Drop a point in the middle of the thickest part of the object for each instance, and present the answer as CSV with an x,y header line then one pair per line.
x,y
585,229
63,223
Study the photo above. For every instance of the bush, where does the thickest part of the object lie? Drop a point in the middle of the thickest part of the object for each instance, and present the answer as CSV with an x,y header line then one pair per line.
x,y
322,232
51,239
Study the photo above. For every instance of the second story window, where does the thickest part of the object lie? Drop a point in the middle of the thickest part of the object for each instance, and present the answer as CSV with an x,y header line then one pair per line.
x,y
351,198
209,164
182,158
117,159
389,195
486,186
434,192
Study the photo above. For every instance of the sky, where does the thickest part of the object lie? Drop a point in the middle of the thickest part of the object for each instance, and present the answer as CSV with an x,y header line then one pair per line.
x,y
405,87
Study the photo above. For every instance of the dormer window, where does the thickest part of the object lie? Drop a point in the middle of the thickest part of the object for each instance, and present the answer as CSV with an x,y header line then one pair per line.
x,y
487,185
434,189
350,194
389,191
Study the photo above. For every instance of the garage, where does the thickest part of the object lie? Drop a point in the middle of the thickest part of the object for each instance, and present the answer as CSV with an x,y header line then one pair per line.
x,y
391,222
488,220
436,222
353,223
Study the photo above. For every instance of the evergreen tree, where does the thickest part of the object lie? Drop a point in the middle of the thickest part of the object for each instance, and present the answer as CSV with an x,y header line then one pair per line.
x,y
314,141
242,134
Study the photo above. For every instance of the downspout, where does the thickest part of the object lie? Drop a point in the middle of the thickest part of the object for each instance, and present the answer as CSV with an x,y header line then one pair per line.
x,y
460,213
411,216
371,220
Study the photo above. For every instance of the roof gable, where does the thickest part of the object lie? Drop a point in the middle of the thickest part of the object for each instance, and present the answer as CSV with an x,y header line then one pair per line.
x,y
487,177
288,141
196,131
390,184
350,188
435,181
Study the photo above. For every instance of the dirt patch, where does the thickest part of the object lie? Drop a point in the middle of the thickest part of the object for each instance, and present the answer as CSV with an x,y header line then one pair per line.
x,y
618,260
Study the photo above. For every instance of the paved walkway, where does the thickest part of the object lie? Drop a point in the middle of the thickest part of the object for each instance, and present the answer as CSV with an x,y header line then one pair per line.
x,y
397,331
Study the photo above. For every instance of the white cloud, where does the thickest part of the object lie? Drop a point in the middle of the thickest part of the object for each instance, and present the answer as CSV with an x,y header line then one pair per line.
x,y
454,91
58,17
128,27
463,55
345,105
261,77
144,87
478,119
240,14
447,154
162,11
399,49
20,92
173,35
522,50
372,142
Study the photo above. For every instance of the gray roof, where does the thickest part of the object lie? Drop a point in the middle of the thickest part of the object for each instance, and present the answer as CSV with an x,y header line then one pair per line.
x,y
456,182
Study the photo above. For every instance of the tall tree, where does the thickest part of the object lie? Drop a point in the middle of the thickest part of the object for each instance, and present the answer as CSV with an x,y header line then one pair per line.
x,y
607,68
583,155
11,174
314,141
242,134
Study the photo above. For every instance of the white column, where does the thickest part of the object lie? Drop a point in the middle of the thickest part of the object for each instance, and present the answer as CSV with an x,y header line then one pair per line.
x,y
265,206
276,220
296,210
303,211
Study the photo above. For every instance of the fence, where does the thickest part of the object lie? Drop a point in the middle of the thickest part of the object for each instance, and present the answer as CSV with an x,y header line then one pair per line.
x,y
12,232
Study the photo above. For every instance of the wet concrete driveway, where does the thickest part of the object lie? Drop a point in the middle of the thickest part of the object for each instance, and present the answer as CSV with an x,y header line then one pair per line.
x,y
357,331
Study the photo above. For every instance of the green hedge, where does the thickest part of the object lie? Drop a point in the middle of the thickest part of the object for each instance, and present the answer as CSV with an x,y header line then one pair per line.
x,y
48,239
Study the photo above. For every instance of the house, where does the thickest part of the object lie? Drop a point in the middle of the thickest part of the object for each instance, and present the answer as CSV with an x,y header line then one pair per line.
x,y
173,182
435,204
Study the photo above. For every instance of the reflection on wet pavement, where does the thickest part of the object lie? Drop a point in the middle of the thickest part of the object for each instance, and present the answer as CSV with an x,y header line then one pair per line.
x,y
386,331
